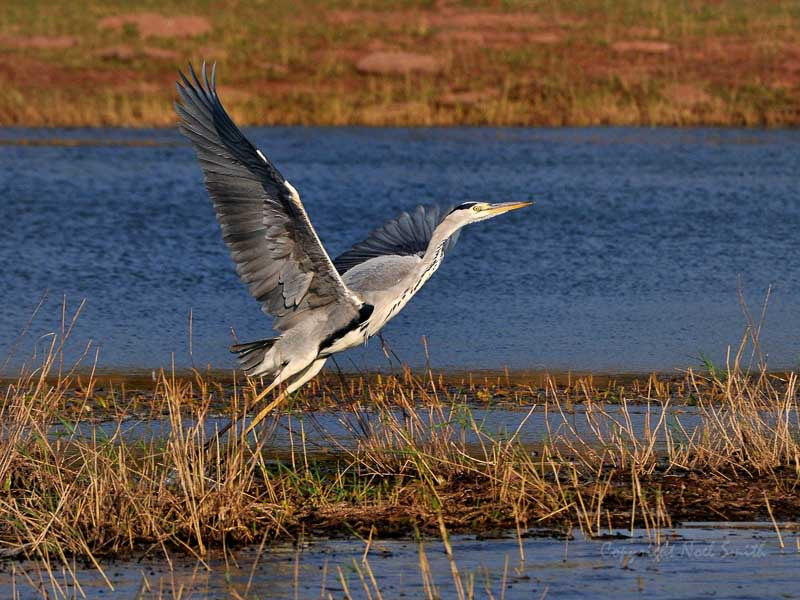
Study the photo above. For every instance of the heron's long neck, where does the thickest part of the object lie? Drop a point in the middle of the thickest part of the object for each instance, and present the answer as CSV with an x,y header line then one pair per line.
x,y
433,256
416,278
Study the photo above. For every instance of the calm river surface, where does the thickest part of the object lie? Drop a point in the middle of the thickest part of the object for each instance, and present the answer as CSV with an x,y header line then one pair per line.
x,y
629,261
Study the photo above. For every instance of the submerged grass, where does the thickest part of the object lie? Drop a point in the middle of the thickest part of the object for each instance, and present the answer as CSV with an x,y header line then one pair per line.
x,y
410,467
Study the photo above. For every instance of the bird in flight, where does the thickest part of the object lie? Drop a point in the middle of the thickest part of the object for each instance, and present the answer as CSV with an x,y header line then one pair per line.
x,y
319,306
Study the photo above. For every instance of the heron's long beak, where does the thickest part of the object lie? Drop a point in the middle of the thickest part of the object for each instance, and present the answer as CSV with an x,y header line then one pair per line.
x,y
502,207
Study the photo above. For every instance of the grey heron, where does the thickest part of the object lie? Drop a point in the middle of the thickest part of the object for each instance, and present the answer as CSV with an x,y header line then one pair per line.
x,y
319,306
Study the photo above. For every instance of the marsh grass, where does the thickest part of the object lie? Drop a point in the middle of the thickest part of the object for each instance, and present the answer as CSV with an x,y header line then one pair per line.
x,y
66,494
98,495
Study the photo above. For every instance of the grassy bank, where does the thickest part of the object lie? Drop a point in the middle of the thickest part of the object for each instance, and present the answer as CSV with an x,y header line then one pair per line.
x,y
335,62
67,491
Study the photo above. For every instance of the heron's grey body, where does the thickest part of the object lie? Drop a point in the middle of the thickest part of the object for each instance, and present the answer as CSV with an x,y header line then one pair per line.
x,y
319,307
384,283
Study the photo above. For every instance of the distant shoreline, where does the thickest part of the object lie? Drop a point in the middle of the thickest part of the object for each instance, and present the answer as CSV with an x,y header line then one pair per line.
x,y
433,64
65,141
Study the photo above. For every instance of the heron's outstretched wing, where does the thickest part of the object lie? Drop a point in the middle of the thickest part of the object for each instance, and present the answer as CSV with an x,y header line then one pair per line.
x,y
270,237
407,235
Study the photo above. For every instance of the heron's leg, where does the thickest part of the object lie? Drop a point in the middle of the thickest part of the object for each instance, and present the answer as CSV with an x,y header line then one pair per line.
x,y
278,379
218,435
386,348
304,376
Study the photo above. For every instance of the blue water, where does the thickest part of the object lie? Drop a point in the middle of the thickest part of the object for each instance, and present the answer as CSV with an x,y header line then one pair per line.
x,y
697,560
629,261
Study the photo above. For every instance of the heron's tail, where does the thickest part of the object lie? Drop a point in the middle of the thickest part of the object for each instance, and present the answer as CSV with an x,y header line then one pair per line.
x,y
251,354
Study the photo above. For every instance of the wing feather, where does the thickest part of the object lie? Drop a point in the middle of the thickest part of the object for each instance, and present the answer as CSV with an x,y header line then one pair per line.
x,y
406,235
265,226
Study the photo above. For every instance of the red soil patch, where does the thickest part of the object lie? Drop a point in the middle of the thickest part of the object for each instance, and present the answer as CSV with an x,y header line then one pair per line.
x,y
686,94
587,62
462,37
727,61
397,63
30,73
163,53
455,26
545,37
644,46
395,19
498,38
155,25
211,53
38,42
339,54
126,52
276,70
644,32
487,20
447,18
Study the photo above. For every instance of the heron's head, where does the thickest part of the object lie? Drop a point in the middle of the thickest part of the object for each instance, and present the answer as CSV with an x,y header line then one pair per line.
x,y
472,212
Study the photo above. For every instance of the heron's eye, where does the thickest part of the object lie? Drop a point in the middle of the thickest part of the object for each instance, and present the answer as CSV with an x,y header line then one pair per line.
x,y
477,208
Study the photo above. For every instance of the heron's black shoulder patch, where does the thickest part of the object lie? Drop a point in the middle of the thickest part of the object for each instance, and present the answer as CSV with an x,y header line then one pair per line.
x,y
364,313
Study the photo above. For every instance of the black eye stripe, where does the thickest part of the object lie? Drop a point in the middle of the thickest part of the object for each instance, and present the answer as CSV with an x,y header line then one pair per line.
x,y
464,206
